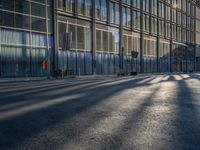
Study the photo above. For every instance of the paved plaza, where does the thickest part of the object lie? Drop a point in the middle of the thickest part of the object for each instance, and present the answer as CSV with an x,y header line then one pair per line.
x,y
102,113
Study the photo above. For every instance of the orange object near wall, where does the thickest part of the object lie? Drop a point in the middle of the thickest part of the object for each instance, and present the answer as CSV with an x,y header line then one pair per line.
x,y
45,65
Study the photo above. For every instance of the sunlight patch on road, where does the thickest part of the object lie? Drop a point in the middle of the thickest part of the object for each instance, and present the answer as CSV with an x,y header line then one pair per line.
x,y
177,77
166,78
145,80
38,106
156,80
185,76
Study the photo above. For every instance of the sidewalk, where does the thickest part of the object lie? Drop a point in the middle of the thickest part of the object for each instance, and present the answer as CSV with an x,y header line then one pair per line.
x,y
22,79
83,77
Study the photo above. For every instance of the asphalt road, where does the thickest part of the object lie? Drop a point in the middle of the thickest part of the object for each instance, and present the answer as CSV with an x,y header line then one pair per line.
x,y
111,113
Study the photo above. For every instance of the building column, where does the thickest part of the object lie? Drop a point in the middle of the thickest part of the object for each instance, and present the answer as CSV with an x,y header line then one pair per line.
x,y
121,43
158,40
171,46
171,62
141,39
194,65
195,40
93,38
158,53
55,39
49,68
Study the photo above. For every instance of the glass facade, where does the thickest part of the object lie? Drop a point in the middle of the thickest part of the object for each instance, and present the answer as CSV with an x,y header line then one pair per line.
x,y
96,36
197,53
25,37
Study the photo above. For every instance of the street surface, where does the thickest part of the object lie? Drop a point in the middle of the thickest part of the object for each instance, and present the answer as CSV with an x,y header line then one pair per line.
x,y
105,113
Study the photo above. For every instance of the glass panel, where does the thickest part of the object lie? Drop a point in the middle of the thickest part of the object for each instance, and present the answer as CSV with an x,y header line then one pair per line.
x,y
22,21
22,6
80,38
38,10
38,24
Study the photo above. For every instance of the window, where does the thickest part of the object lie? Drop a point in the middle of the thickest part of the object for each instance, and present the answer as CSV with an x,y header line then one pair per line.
x,y
179,17
60,4
136,20
154,25
161,28
80,33
38,24
167,29
98,40
161,9
107,39
117,14
38,10
22,6
62,30
115,39
7,19
22,21
101,10
184,20
70,5
146,5
174,15
154,6
8,5
98,9
174,31
136,3
72,30
80,38
127,2
126,17
114,13
168,12
145,23
84,7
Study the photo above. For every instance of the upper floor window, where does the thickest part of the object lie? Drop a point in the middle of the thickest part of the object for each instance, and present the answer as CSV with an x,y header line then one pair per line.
x,y
126,17
67,5
127,2
101,10
154,6
85,7
136,20
161,9
146,5
114,13
136,3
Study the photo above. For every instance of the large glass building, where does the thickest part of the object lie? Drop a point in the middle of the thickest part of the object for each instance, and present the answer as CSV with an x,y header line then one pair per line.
x,y
96,36
197,53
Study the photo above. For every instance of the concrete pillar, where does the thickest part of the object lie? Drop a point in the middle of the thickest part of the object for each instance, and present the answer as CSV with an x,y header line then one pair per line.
x,y
158,40
93,38
141,39
121,44
55,39
171,46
